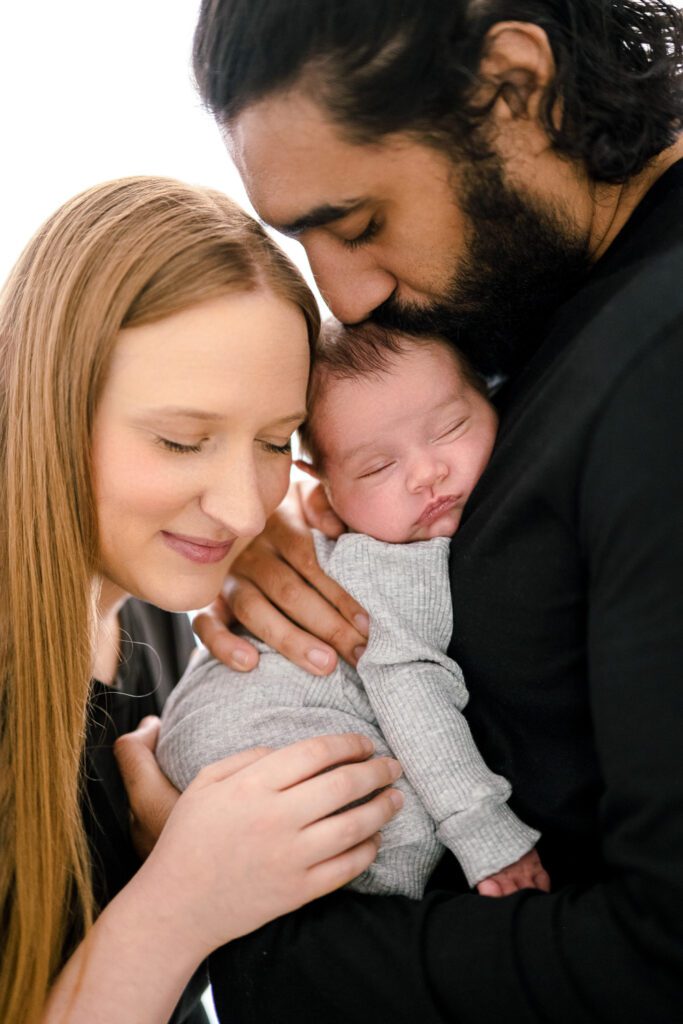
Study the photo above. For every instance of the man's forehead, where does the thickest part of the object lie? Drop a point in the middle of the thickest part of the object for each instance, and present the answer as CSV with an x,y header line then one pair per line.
x,y
296,163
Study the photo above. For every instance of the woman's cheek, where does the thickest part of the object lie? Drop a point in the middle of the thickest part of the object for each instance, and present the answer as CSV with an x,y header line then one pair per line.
x,y
275,483
136,480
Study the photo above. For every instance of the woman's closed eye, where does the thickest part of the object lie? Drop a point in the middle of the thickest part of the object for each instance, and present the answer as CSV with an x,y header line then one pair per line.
x,y
176,446
184,449
277,449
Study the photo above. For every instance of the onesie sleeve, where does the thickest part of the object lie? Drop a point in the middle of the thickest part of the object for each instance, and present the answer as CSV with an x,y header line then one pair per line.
x,y
417,693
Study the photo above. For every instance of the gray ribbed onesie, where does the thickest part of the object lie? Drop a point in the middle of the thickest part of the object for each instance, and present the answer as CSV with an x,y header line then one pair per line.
x,y
407,695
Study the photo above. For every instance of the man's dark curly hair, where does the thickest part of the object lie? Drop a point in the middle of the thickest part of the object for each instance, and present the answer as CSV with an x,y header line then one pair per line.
x,y
382,66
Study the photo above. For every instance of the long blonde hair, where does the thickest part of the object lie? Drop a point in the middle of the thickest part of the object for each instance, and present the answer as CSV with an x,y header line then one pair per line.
x,y
121,254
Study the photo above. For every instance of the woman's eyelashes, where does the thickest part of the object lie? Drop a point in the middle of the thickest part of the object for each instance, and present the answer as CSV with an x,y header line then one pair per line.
x,y
184,449
176,446
277,449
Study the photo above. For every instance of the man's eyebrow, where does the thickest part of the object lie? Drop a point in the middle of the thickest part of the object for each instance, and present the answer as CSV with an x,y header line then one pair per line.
x,y
319,216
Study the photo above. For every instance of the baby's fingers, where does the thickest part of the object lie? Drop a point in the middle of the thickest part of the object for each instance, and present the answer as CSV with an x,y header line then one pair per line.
x,y
541,880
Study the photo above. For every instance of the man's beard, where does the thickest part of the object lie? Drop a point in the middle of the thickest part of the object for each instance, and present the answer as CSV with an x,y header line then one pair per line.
x,y
520,261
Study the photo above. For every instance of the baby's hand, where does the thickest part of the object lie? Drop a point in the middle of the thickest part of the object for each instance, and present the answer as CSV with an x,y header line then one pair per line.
x,y
525,873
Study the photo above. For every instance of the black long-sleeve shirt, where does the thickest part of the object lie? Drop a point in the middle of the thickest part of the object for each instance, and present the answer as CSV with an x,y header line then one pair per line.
x,y
567,584
155,648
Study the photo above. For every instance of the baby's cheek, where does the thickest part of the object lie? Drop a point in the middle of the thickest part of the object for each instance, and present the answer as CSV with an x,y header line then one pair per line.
x,y
378,514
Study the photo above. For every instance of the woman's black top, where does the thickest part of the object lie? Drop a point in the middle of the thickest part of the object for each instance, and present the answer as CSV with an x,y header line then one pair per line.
x,y
155,648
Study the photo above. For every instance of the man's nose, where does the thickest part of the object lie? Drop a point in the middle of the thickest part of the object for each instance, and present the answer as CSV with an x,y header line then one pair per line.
x,y
352,287
232,498
425,472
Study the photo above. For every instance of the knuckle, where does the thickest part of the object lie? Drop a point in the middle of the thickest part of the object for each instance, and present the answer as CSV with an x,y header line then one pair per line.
x,y
274,636
318,751
244,601
341,785
350,831
288,593
307,558
302,552
338,636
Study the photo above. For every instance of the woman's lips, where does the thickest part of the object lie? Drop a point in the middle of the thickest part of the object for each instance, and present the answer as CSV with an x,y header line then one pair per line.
x,y
198,549
437,508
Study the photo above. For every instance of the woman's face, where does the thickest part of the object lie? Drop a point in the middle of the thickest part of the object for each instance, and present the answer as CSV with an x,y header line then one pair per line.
x,y
191,443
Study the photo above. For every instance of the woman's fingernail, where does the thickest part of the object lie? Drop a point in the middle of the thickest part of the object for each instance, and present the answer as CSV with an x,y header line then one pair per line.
x,y
362,622
395,768
359,651
396,798
241,659
319,658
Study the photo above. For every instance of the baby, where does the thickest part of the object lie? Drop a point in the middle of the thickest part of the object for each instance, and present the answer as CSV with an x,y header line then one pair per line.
x,y
399,431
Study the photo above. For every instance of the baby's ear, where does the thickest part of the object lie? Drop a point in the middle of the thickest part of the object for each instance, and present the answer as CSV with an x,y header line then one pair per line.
x,y
306,467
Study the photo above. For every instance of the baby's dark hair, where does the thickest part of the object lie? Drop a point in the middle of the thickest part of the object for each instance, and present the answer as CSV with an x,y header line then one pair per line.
x,y
346,353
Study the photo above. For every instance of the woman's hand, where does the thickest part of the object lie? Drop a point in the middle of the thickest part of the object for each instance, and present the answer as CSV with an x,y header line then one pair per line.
x,y
253,837
277,590
151,797
247,843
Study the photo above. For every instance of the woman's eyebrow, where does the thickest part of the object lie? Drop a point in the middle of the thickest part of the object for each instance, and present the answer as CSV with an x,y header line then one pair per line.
x,y
178,410
202,414
295,417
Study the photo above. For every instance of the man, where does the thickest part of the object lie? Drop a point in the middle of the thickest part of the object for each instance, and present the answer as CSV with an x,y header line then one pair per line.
x,y
510,174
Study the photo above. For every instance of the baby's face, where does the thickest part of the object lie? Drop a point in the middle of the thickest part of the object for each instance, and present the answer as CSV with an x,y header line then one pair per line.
x,y
403,450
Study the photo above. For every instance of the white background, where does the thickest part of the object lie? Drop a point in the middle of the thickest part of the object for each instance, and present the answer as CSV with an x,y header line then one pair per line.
x,y
92,90
98,89
95,89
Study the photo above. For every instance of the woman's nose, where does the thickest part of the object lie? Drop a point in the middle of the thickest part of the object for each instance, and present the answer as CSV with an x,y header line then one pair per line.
x,y
233,499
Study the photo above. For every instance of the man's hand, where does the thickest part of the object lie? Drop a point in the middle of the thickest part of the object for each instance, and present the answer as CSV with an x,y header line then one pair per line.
x,y
277,590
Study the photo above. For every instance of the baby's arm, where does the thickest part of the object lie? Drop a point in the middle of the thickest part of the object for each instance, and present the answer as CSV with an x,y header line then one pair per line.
x,y
418,693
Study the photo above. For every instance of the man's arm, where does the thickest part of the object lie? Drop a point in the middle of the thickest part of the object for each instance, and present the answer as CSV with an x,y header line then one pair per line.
x,y
608,952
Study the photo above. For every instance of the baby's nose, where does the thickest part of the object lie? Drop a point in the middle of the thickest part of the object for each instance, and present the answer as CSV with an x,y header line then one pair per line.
x,y
427,473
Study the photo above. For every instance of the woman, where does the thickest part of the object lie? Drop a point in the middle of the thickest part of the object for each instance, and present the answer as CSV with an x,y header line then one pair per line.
x,y
154,351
